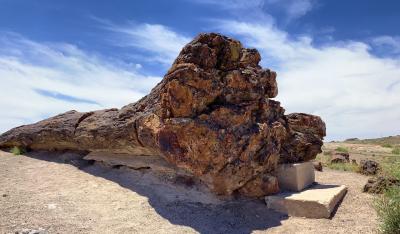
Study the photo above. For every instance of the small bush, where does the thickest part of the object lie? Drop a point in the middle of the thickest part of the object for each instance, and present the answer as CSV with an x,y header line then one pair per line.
x,y
343,166
387,145
396,150
322,158
16,150
388,209
391,169
342,149
388,205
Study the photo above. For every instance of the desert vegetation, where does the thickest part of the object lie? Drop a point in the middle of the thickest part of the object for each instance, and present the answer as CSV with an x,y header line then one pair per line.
x,y
396,150
386,152
17,150
342,149
343,166
388,204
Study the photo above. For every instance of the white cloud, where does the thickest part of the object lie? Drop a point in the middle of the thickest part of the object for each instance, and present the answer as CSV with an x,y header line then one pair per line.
x,y
294,8
162,43
355,92
138,66
81,81
392,44
263,9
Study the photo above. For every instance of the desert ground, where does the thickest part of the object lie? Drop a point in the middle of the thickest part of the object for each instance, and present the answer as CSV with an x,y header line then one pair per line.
x,y
40,192
373,150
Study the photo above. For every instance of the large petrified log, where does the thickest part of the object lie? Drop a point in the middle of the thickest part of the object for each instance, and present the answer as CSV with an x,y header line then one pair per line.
x,y
211,115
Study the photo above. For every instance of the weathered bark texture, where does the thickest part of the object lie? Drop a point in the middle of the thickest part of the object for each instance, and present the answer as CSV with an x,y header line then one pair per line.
x,y
211,115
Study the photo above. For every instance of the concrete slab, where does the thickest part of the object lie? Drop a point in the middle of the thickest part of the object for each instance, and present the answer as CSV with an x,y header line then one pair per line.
x,y
318,201
296,176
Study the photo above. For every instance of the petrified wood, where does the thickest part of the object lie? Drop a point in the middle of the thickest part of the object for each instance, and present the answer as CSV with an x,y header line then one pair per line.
x,y
212,115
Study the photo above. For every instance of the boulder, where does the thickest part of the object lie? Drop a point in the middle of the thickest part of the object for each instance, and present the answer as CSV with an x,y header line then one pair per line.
x,y
344,155
340,158
317,166
379,184
211,115
368,167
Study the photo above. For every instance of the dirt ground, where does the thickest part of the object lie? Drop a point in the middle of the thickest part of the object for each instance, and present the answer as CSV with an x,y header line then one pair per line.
x,y
363,151
43,193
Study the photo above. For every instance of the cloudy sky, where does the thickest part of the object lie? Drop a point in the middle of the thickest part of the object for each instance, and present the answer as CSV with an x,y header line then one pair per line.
x,y
335,58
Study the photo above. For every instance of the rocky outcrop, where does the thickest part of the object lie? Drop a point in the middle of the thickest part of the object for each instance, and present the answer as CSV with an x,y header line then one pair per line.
x,y
211,115
340,157
318,166
368,167
380,184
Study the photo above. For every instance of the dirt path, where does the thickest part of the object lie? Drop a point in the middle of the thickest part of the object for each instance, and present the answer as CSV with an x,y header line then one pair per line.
x,y
60,198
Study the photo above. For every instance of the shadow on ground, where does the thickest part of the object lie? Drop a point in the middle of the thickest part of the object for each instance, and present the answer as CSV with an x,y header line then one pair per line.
x,y
229,216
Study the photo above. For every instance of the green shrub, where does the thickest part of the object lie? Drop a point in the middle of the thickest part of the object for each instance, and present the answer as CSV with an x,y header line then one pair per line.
x,y
17,150
386,145
342,149
388,209
391,169
396,150
388,205
327,152
343,166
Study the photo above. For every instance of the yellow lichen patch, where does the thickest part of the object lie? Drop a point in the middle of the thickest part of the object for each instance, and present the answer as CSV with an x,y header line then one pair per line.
x,y
235,48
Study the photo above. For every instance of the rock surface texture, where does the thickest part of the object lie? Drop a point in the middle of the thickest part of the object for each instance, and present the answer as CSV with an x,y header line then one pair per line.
x,y
380,184
318,166
211,115
368,167
340,157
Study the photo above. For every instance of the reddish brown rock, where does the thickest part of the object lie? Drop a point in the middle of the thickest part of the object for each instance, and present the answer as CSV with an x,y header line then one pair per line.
x,y
261,186
318,166
368,167
211,115
340,157
380,184
304,140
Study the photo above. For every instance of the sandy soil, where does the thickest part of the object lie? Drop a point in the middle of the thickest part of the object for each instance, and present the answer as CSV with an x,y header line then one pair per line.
x,y
43,193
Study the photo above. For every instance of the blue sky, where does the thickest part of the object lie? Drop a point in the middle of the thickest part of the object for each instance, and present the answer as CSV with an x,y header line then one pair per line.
x,y
337,59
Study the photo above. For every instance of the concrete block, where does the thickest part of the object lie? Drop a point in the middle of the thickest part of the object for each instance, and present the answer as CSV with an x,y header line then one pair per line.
x,y
318,201
296,176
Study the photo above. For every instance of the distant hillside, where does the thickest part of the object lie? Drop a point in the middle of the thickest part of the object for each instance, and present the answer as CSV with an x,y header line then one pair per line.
x,y
390,140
